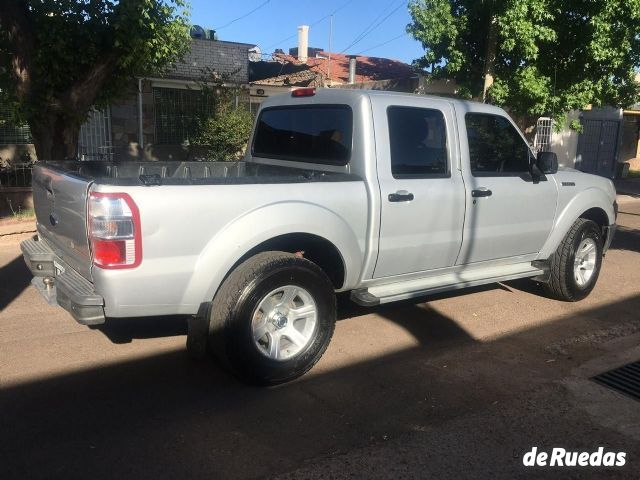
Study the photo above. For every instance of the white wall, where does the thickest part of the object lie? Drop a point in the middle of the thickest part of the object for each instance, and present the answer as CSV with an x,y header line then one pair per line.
x,y
565,143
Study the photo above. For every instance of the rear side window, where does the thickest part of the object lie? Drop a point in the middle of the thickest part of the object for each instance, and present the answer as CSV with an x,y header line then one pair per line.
x,y
418,142
495,146
310,133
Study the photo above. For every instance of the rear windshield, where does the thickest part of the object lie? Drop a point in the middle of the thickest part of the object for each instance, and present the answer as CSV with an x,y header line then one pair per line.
x,y
310,133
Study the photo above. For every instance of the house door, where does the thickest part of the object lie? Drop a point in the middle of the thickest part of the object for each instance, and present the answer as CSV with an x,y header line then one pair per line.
x,y
598,146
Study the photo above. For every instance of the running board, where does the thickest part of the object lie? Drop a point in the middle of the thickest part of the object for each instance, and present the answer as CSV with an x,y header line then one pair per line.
x,y
392,292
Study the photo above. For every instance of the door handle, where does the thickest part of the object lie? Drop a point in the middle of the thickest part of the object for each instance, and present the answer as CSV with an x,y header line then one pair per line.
x,y
401,196
481,192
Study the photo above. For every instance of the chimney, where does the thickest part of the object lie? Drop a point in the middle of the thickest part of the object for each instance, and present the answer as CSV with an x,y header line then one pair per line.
x,y
352,68
303,43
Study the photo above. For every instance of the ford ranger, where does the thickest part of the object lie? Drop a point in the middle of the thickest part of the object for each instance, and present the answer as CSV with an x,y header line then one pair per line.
x,y
388,196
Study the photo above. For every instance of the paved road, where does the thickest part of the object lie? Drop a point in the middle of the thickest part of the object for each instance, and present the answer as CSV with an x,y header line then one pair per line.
x,y
461,386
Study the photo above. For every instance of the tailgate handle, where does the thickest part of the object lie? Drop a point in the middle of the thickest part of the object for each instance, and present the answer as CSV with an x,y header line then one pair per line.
x,y
46,183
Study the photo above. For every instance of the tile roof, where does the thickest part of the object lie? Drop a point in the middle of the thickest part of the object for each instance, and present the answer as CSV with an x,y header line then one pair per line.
x,y
304,78
367,68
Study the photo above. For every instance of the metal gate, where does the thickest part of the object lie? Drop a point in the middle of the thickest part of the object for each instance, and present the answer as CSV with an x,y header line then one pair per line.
x,y
599,142
542,140
95,137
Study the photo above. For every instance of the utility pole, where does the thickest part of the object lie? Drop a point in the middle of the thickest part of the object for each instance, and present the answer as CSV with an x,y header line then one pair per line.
x,y
330,47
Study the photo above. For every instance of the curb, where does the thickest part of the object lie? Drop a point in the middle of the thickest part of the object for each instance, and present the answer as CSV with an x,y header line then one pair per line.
x,y
17,228
21,232
627,197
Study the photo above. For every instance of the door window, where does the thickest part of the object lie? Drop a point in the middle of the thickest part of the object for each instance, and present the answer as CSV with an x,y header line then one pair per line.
x,y
418,142
495,146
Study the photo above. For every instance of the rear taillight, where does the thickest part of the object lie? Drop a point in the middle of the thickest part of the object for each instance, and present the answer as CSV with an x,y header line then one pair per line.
x,y
114,230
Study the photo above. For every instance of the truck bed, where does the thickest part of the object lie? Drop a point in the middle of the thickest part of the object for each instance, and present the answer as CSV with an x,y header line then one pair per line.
x,y
192,173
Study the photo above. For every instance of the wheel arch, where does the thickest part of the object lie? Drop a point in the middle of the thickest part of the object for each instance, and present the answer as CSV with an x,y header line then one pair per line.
x,y
314,248
592,204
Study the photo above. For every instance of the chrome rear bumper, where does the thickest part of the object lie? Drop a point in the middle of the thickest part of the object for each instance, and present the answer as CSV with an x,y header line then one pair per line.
x,y
60,285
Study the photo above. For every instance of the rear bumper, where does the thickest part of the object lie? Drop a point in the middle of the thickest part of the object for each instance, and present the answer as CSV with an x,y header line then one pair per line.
x,y
60,285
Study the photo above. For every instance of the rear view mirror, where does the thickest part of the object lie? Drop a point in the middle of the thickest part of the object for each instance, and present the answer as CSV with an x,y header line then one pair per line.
x,y
547,162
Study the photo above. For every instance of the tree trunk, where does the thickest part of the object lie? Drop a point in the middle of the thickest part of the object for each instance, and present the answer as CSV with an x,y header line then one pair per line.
x,y
55,136
490,57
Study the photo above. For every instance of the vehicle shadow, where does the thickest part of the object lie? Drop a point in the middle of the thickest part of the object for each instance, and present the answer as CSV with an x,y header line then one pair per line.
x,y
164,416
626,239
15,277
125,330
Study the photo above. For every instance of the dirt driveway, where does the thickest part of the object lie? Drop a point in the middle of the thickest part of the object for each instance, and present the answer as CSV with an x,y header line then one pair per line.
x,y
461,386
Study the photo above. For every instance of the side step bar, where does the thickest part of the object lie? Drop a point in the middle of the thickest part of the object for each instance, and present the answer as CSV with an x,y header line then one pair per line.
x,y
407,289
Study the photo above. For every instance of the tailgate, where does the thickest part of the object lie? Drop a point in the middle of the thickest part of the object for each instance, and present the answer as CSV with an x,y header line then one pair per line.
x,y
60,201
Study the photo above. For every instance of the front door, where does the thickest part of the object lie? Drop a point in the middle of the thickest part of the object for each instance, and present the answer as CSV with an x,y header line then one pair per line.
x,y
508,214
422,194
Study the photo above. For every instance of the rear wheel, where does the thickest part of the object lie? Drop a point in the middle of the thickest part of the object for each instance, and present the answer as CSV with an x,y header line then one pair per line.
x,y
575,266
272,318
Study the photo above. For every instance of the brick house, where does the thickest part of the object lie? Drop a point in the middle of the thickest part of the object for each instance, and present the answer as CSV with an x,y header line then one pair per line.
x,y
156,118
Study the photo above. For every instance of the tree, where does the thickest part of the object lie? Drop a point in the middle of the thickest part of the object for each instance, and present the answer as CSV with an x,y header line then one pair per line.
x,y
537,57
61,58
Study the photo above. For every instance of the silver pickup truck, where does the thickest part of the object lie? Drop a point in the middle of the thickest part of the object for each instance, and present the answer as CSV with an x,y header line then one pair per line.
x,y
388,196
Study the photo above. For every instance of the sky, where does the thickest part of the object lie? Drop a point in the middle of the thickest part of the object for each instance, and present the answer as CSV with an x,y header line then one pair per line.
x,y
380,24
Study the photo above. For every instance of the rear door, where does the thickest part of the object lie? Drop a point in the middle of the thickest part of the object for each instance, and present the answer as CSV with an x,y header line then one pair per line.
x,y
60,201
422,193
508,214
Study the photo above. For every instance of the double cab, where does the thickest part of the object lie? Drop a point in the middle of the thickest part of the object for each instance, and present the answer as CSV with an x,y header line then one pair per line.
x,y
387,196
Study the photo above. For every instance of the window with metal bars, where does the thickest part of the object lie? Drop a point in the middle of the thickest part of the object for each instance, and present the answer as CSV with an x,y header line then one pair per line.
x,y
179,113
12,133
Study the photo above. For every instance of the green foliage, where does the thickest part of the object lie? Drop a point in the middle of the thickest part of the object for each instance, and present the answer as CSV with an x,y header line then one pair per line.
x,y
576,126
552,55
226,132
65,56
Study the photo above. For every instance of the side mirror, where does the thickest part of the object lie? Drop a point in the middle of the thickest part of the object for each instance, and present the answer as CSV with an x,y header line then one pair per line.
x,y
547,162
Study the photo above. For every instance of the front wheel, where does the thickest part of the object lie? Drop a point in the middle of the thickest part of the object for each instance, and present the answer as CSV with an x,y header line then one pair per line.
x,y
272,318
575,266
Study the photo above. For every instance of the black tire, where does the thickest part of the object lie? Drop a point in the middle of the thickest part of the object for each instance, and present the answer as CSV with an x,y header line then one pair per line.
x,y
230,331
562,283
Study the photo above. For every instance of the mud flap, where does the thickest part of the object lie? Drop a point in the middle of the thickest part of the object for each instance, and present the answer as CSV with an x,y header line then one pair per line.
x,y
198,331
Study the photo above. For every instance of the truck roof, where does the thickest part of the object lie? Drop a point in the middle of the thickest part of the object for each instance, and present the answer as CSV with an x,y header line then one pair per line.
x,y
351,96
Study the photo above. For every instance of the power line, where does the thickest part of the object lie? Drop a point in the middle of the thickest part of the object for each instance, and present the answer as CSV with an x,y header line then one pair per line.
x,y
368,31
382,44
243,16
312,25
382,12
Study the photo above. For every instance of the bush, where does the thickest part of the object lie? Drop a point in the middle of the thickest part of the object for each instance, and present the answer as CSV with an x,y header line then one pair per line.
x,y
225,134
